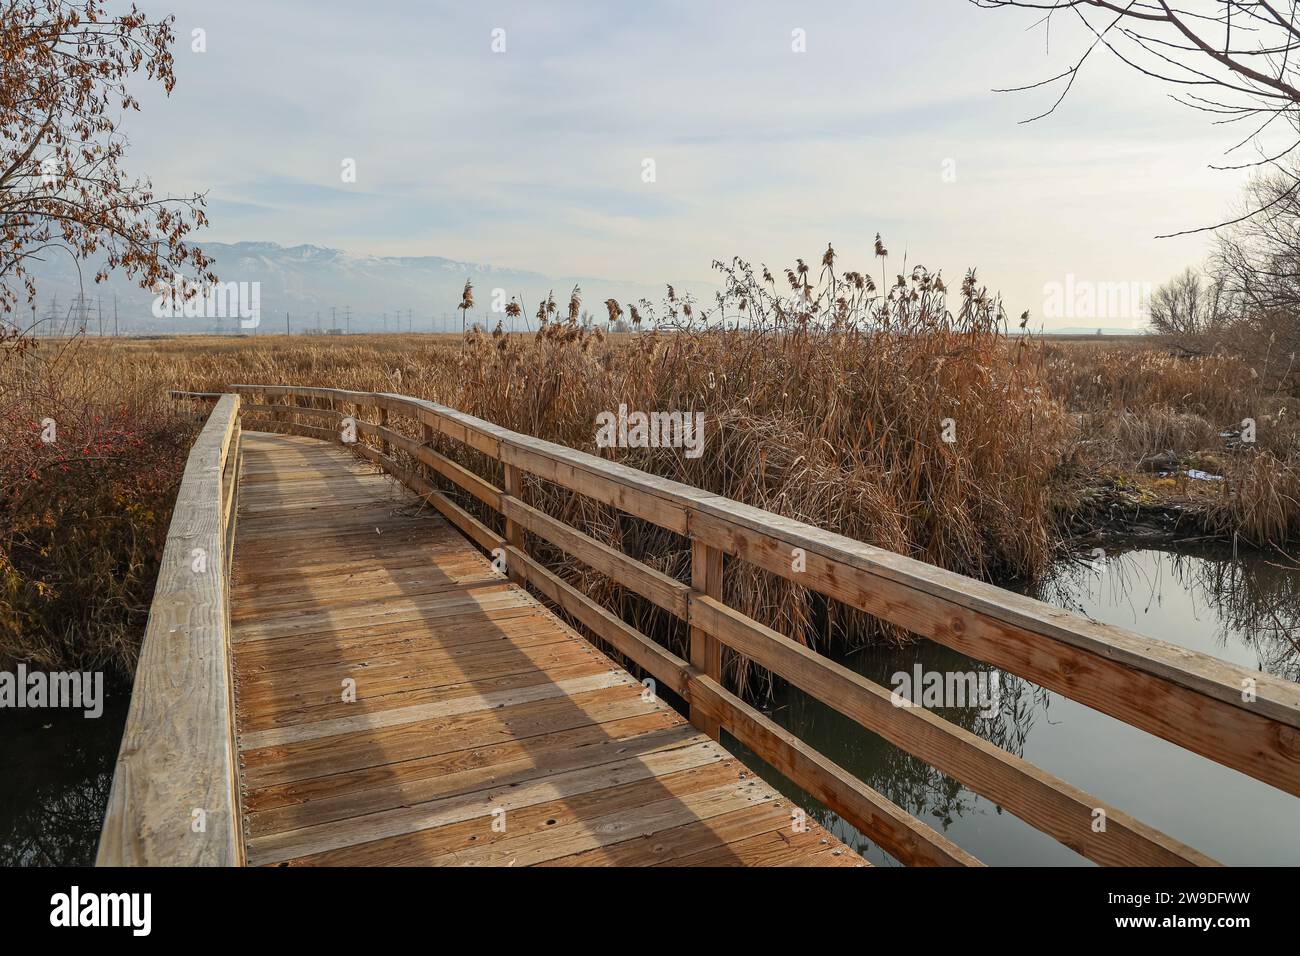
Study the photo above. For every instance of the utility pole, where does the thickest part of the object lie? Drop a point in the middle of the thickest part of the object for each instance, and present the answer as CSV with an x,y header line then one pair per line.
x,y
52,315
334,318
115,333
348,320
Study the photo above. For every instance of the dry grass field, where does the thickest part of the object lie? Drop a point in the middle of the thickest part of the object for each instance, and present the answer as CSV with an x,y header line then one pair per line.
x,y
842,428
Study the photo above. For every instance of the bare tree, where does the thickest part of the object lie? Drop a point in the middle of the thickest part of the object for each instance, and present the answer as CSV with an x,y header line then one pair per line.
x,y
1188,312
1257,261
64,70
1237,60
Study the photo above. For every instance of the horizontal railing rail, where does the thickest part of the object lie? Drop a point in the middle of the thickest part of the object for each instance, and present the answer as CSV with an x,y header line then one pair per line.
x,y
1241,719
174,798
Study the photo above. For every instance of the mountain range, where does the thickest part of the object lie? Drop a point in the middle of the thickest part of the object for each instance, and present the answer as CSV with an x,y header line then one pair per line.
x,y
320,288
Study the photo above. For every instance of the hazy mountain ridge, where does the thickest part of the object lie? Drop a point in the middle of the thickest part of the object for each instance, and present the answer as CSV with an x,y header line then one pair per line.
x,y
313,283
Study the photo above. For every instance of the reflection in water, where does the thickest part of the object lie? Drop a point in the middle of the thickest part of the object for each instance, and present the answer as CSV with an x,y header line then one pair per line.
x,y
1254,602
1260,602
1244,610
907,781
58,766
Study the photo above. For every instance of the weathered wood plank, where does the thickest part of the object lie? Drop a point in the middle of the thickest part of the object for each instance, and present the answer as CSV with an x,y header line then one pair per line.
x,y
173,800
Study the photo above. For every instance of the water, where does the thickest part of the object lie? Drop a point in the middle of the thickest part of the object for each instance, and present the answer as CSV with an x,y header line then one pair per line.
x,y
1245,610
56,767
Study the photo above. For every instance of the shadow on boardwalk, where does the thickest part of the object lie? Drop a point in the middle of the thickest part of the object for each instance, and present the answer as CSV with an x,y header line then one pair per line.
x,y
484,731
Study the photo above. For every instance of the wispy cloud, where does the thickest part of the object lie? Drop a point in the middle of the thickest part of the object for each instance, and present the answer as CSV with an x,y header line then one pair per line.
x,y
534,157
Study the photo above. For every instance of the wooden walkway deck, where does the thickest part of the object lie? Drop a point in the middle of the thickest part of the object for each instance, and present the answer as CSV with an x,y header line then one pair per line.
x,y
365,687
484,730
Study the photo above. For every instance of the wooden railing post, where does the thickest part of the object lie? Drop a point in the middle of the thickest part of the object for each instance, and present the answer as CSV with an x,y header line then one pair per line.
x,y
706,651
383,442
514,532
427,432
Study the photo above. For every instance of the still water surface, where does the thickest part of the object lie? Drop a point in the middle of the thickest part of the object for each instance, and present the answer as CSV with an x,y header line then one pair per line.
x,y
1245,610
56,767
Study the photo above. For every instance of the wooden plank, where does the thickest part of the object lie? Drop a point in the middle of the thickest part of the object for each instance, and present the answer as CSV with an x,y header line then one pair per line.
x,y
665,666
471,527
444,843
230,508
508,763
419,636
677,845
325,415
655,586
177,754
415,713
597,478
382,678
772,848
313,758
478,805
706,652
675,808
514,531
432,461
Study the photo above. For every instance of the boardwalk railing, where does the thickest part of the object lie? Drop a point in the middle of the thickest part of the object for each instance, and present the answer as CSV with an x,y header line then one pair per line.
x,y
174,799
1241,719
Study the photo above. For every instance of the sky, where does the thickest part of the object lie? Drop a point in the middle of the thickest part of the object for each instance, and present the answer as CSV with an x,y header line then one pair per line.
x,y
534,156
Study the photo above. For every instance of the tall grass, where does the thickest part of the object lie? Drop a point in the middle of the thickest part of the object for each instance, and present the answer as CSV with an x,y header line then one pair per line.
x,y
830,405
1137,402
826,398
90,459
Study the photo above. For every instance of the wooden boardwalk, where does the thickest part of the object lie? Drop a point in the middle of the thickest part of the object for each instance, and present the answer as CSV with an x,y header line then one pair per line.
x,y
363,686
484,730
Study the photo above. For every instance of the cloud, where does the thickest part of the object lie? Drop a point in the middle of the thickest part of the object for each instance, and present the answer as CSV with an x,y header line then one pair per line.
x,y
533,157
